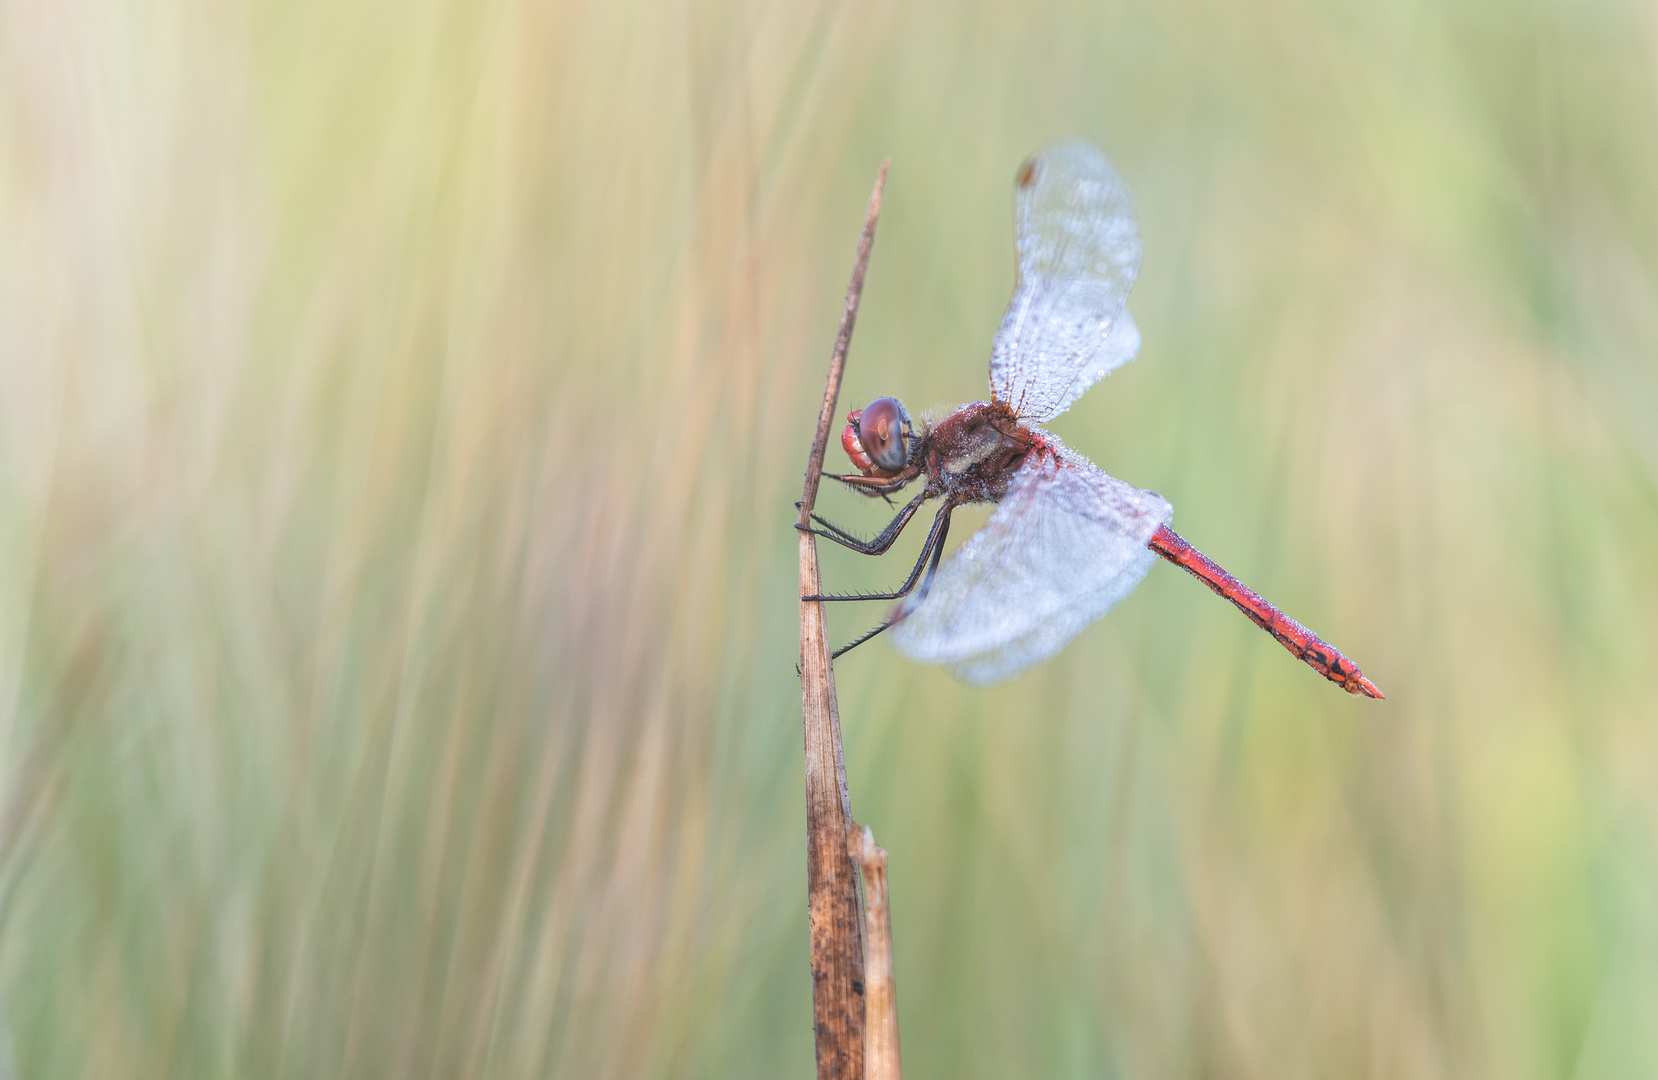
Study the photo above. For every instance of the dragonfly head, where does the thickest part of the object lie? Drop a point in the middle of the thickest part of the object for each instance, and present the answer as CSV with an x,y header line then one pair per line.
x,y
879,436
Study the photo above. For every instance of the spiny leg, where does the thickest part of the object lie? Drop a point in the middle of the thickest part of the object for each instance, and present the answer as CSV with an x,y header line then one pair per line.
x,y
1306,646
855,642
876,545
927,583
934,543
874,485
938,553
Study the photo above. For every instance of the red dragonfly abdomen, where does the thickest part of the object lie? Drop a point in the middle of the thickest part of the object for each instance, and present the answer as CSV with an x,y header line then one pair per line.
x,y
1320,655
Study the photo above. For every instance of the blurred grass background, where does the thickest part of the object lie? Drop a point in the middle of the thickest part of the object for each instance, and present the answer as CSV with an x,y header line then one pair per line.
x,y
401,410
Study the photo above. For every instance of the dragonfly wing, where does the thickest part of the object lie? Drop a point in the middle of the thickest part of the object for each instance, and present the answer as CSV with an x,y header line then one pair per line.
x,y
1079,253
1063,546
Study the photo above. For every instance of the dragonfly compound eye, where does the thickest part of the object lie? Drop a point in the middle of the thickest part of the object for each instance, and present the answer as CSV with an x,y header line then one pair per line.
x,y
884,430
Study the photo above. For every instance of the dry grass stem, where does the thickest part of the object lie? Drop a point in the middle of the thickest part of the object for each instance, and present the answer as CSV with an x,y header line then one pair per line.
x,y
832,889
880,991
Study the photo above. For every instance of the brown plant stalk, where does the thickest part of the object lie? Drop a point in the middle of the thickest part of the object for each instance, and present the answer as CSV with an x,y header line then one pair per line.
x,y
831,881
880,988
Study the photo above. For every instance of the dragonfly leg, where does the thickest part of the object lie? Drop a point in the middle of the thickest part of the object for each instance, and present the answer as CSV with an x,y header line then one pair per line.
x,y
930,549
874,485
854,643
876,545
942,525
1306,646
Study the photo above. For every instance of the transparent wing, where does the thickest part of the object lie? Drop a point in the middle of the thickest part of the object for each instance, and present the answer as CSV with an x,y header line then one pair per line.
x,y
1063,546
1079,252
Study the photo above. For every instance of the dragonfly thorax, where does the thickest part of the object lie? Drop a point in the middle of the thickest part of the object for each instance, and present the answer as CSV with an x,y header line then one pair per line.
x,y
972,453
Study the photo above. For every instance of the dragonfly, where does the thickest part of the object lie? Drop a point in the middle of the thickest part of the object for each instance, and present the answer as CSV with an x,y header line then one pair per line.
x,y
1066,541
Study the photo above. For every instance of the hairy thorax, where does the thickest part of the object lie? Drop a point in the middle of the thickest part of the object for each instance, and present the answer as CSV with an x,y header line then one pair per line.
x,y
973,453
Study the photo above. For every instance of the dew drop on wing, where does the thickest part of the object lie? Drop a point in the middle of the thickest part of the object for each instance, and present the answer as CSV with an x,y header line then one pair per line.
x,y
1063,546
1079,253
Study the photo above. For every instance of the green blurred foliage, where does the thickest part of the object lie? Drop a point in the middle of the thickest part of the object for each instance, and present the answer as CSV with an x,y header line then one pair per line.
x,y
402,408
